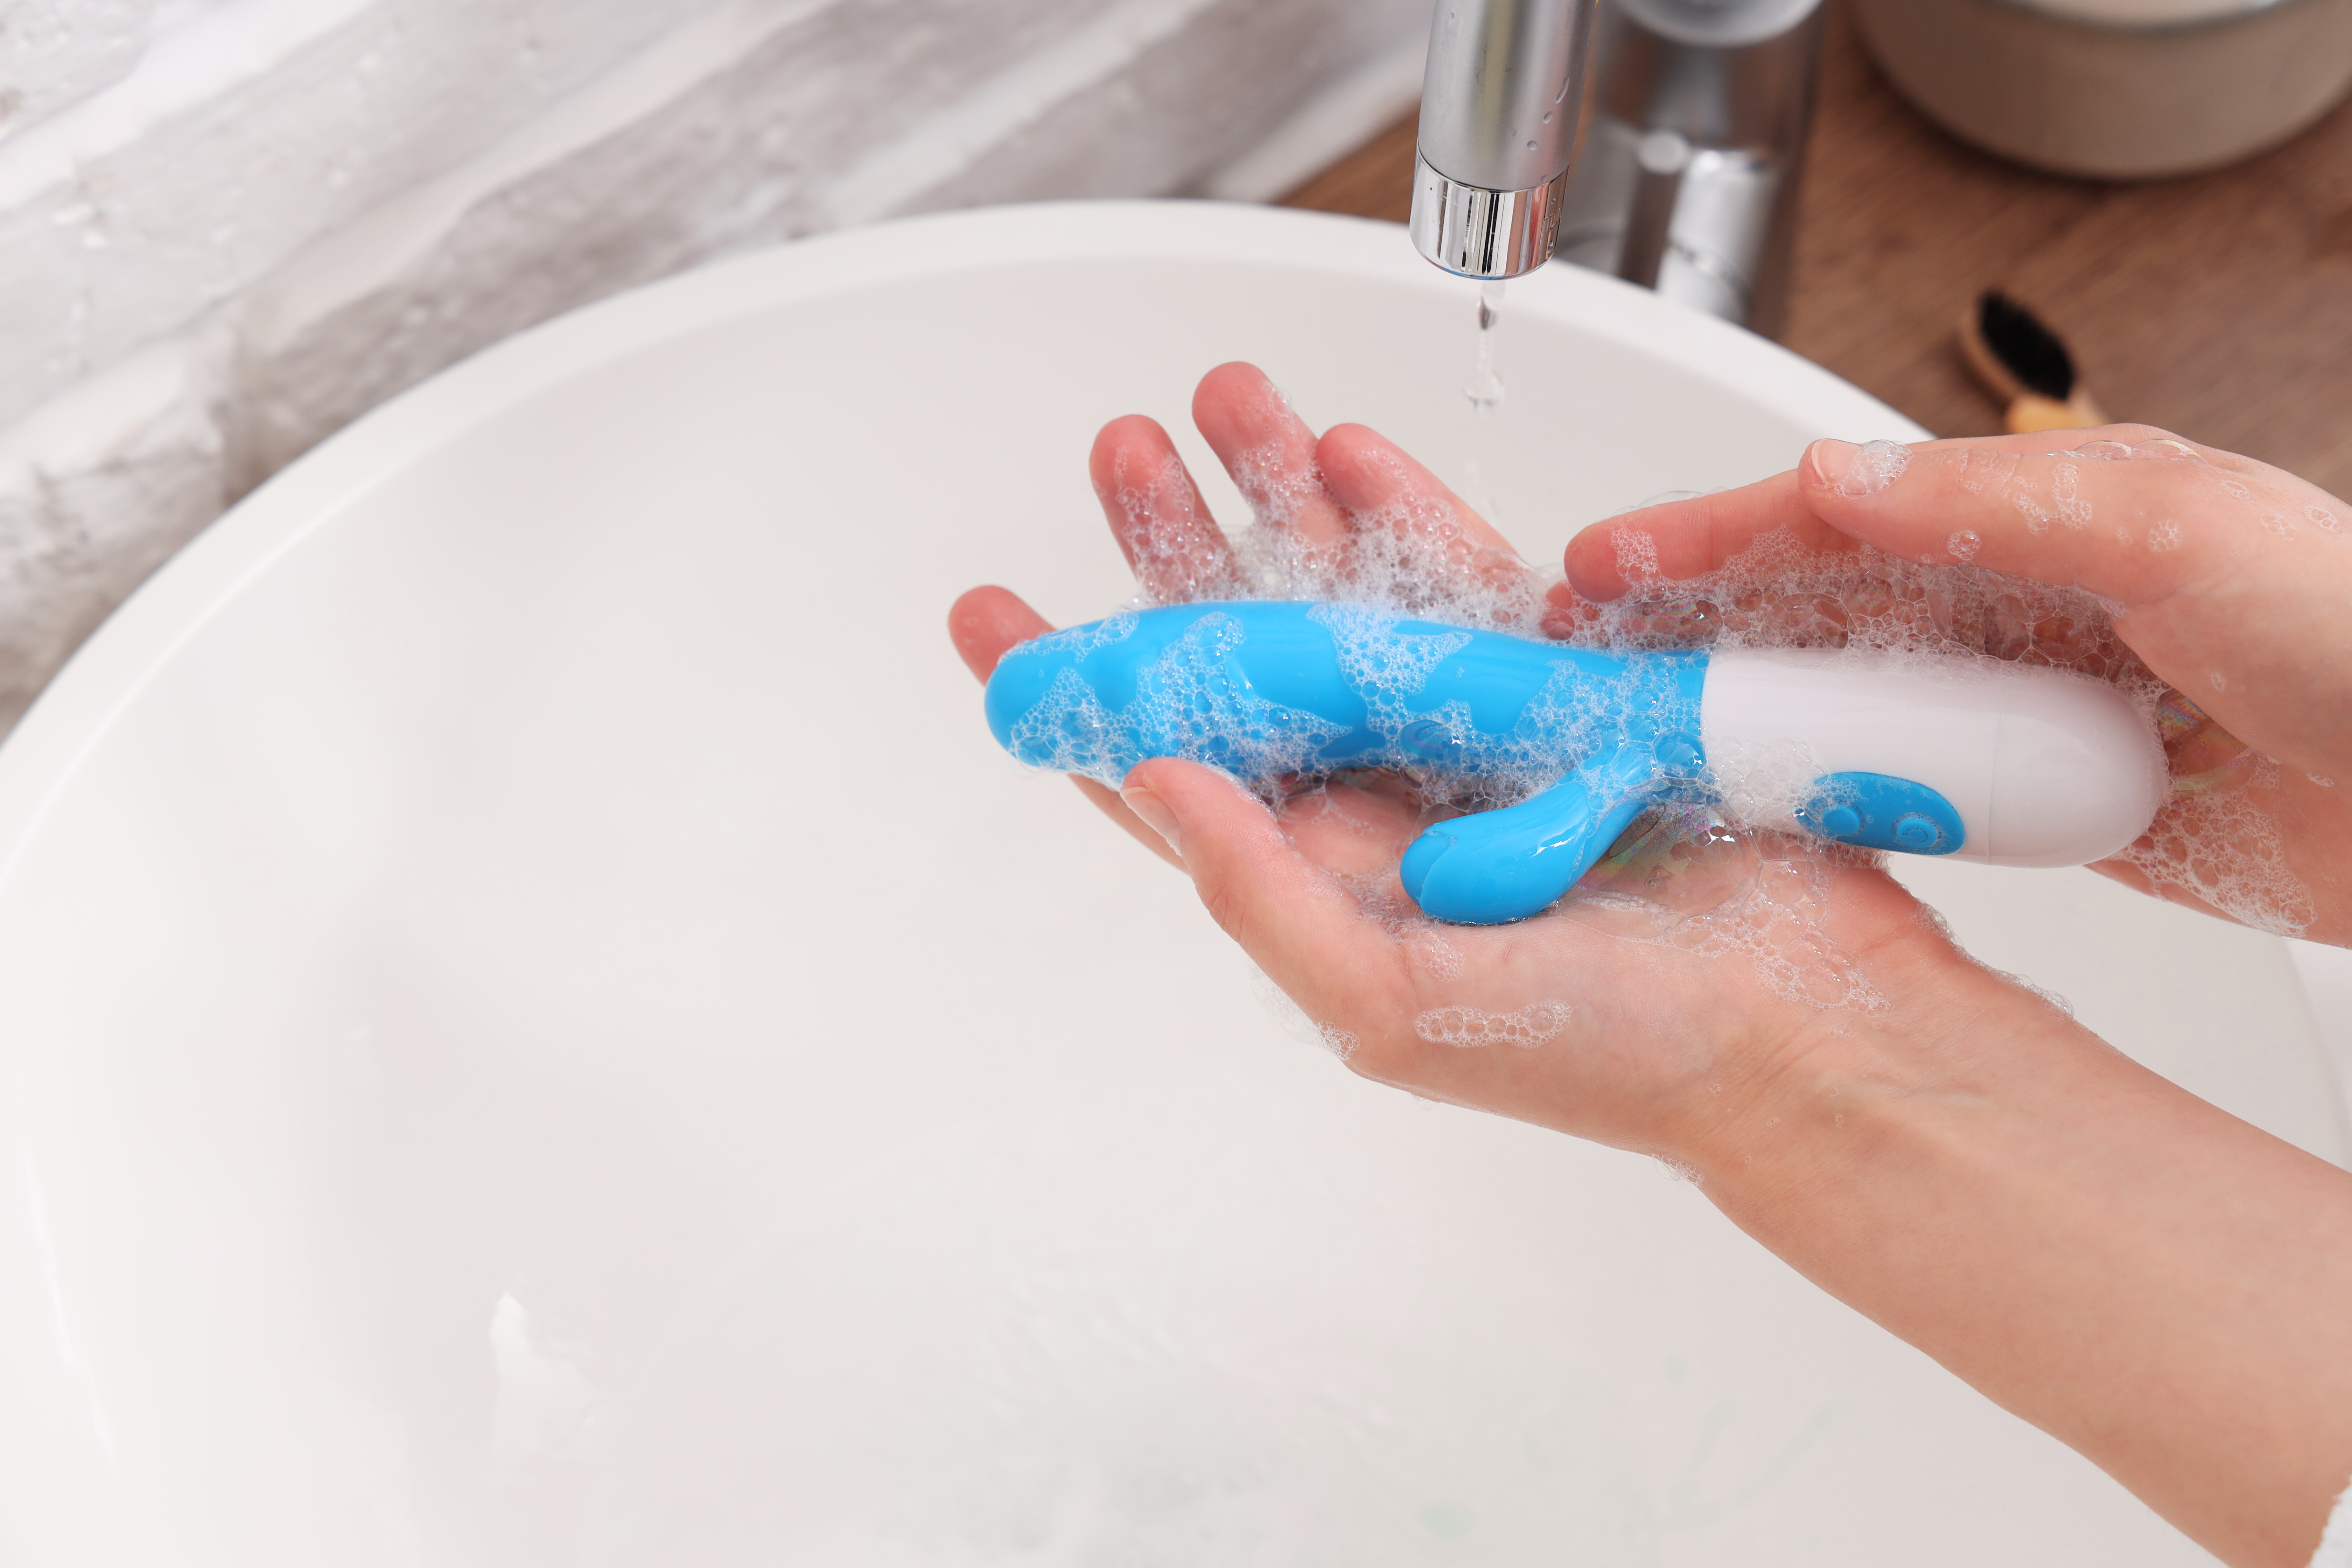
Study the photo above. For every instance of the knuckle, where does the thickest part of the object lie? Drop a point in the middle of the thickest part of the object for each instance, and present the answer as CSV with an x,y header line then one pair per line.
x,y
1228,907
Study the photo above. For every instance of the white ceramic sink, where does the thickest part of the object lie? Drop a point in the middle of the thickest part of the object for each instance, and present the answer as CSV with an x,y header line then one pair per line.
x,y
536,1029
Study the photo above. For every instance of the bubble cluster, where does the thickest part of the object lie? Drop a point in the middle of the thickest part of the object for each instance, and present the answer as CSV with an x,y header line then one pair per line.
x,y
1780,593
1637,554
1698,875
2221,847
1184,706
1426,947
2214,839
1775,921
1875,466
1177,552
1413,557
1527,1027
1570,721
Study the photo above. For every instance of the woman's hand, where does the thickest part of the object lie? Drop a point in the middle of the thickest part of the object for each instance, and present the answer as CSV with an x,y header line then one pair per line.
x,y
1644,1016
2152,1281
2231,580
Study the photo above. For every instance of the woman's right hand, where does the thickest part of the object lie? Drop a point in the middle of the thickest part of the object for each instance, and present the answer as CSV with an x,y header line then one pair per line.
x,y
2230,579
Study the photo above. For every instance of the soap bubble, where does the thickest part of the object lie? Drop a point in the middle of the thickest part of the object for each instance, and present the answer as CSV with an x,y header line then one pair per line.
x,y
1528,1026
1728,876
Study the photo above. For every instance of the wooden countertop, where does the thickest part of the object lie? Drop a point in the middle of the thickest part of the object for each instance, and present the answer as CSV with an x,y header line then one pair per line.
x,y
2219,306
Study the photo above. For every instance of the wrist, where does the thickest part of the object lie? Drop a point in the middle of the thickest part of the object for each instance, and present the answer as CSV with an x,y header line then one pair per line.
x,y
2153,1283
1958,1048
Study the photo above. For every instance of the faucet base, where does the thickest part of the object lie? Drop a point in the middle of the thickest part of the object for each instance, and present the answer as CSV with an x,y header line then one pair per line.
x,y
1480,233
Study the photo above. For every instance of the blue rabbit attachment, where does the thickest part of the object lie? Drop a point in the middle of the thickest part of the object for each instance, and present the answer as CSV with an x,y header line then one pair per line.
x,y
1266,688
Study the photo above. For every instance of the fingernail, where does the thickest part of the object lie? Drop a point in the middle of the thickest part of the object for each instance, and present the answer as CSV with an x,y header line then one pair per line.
x,y
1155,814
1854,470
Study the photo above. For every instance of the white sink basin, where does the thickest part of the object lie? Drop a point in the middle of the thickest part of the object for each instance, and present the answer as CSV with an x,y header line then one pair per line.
x,y
538,1028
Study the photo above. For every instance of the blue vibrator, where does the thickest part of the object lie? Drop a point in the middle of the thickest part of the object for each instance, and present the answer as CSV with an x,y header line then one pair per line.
x,y
1975,758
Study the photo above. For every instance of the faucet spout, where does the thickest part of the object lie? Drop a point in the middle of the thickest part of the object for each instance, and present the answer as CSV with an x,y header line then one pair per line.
x,y
1499,102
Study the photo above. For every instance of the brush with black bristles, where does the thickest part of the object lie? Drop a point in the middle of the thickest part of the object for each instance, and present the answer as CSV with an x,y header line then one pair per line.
x,y
2021,363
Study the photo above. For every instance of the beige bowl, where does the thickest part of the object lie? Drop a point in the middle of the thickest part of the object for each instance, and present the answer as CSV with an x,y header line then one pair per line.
x,y
2116,88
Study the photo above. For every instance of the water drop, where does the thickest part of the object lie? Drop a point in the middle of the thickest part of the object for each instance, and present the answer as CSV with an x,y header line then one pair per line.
x,y
1486,388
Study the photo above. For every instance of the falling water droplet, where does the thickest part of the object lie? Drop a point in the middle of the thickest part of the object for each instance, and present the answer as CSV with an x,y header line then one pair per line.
x,y
1486,388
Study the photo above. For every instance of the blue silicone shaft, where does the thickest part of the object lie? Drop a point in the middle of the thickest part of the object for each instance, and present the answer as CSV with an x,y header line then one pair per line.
x,y
1273,689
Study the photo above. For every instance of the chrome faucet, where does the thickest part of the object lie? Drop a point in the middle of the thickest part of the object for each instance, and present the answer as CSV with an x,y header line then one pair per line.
x,y
1499,101
1686,175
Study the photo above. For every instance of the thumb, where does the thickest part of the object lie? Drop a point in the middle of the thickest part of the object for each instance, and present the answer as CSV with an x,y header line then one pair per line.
x,y
1290,915
2131,514
2226,575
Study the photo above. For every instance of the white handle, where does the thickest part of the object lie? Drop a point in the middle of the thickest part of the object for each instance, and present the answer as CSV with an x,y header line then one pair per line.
x,y
2045,767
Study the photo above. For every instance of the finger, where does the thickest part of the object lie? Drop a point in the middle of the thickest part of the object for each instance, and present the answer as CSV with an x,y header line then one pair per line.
x,y
1112,807
1685,538
1157,515
2227,578
1287,913
2127,511
1372,478
1269,451
987,621
983,624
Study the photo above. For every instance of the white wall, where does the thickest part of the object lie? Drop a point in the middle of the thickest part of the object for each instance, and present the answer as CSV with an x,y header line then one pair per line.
x,y
229,226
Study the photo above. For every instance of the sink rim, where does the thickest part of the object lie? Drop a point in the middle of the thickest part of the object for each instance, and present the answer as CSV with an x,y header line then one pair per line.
x,y
104,675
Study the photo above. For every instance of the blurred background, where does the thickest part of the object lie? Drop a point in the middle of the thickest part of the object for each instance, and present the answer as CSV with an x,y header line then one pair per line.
x,y
228,227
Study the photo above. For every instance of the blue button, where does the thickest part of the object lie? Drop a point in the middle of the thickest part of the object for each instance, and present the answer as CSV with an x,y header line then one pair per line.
x,y
1879,811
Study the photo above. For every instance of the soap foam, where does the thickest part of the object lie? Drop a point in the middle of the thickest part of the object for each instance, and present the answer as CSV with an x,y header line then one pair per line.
x,y
1411,558
1183,706
1702,876
1527,1028
2221,847
2224,848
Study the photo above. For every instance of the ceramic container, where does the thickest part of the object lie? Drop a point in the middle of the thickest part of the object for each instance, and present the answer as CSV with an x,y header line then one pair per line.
x,y
2116,88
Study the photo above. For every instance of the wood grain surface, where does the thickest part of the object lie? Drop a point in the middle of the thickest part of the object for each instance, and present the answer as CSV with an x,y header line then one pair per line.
x,y
2219,306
